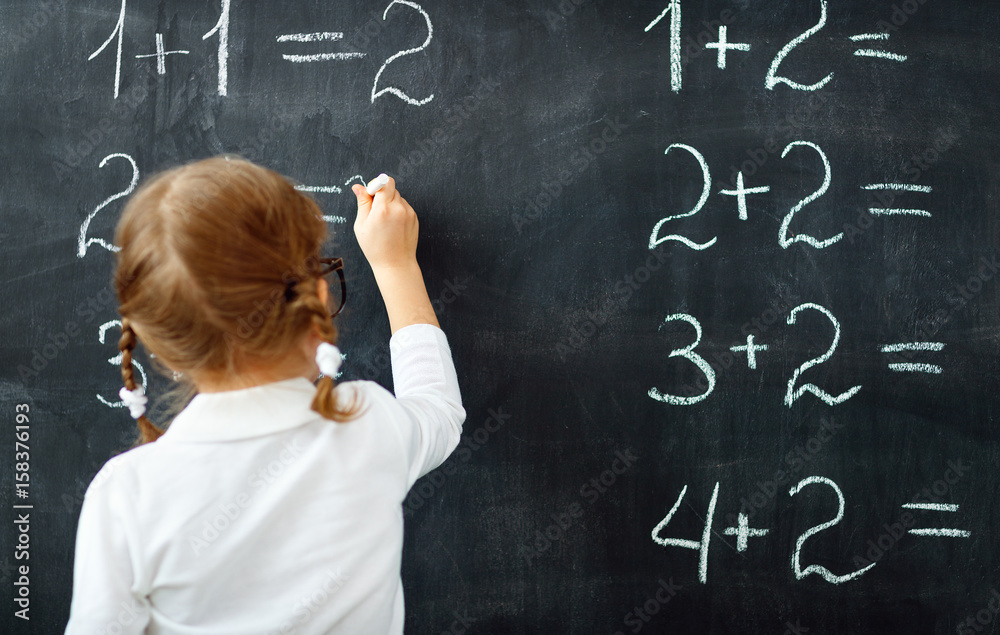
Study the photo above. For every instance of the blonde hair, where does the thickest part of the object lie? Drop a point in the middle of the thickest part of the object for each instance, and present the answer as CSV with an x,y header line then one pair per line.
x,y
219,267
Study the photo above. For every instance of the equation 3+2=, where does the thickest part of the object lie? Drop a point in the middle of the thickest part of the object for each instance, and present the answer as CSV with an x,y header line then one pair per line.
x,y
899,361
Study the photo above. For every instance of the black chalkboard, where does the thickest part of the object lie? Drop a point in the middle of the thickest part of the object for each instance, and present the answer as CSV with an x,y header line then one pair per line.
x,y
542,142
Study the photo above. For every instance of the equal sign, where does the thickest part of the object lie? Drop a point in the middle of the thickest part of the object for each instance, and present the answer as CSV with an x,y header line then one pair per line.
x,y
326,36
932,369
867,37
944,532
898,187
328,189
324,189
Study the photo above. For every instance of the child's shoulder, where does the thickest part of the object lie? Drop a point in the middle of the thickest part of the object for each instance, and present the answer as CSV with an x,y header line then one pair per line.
x,y
120,469
374,403
361,388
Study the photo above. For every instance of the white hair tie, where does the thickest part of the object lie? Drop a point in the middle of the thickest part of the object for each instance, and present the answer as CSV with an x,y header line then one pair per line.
x,y
328,359
134,400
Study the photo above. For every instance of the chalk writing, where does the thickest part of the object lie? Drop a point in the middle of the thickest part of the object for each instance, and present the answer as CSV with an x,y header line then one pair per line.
x,y
674,8
687,353
392,89
327,36
817,569
117,362
221,29
83,242
117,32
701,546
161,55
706,188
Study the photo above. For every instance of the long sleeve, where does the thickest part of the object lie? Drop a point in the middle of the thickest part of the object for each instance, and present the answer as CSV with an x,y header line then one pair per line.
x,y
103,578
426,388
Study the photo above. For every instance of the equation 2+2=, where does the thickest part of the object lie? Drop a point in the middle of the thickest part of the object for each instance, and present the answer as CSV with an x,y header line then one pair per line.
x,y
885,191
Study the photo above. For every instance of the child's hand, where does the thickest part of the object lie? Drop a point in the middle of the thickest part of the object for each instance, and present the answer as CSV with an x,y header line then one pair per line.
x,y
386,227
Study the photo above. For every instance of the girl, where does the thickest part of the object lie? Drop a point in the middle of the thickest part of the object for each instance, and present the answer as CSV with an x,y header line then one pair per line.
x,y
270,504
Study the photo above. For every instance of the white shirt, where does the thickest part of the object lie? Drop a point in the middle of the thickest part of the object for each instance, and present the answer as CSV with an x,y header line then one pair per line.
x,y
253,514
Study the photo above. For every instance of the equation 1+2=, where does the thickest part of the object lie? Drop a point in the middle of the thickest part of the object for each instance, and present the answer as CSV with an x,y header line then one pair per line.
x,y
868,48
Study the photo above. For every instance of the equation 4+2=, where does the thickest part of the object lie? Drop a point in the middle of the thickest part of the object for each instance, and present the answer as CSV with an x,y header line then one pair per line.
x,y
743,532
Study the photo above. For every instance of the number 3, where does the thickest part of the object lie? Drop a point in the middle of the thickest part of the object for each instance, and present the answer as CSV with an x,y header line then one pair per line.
x,y
687,353
117,361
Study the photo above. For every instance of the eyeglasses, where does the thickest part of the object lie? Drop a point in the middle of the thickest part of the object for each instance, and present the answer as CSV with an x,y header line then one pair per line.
x,y
329,266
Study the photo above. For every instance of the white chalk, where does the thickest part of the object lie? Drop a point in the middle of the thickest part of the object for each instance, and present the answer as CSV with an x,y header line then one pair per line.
x,y
819,569
937,507
377,184
947,533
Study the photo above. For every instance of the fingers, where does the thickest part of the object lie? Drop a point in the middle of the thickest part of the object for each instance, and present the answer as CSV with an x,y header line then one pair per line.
x,y
386,225
388,191
364,202
388,199
385,204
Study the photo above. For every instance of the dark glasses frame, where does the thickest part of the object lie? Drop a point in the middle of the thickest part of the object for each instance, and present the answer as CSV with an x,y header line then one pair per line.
x,y
329,266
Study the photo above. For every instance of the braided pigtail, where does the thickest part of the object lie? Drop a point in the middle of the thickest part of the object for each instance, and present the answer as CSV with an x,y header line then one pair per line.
x,y
325,402
132,395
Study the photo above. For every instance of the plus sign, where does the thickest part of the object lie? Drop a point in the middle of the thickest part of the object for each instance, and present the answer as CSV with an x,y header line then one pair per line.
x,y
742,531
161,55
724,46
751,350
741,194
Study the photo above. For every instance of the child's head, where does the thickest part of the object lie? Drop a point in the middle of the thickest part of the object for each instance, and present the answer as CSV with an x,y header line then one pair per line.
x,y
218,272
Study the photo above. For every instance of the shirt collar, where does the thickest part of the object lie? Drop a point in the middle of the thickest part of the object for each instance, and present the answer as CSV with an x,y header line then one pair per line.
x,y
241,414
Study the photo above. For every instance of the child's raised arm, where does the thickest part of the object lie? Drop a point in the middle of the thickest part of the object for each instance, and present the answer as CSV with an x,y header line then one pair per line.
x,y
386,228
424,377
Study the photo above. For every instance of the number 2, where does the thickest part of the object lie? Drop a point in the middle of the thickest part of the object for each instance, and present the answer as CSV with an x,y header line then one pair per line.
x,y
706,188
392,89
815,568
783,238
791,394
773,79
83,241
